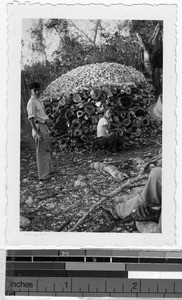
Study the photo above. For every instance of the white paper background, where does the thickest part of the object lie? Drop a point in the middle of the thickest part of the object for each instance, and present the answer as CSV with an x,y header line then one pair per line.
x,y
168,157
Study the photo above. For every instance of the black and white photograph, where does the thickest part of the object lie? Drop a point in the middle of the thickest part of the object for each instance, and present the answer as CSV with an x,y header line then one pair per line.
x,y
94,96
91,91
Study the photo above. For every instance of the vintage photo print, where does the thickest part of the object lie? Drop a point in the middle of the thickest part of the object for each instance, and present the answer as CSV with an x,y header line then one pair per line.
x,y
91,128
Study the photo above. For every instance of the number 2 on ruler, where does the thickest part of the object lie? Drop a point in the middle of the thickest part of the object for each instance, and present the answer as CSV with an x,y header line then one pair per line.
x,y
134,287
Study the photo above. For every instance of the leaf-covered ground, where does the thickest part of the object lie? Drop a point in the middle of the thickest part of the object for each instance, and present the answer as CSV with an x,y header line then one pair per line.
x,y
57,205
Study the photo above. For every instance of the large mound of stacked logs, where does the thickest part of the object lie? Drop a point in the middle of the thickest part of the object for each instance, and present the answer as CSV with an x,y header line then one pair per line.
x,y
76,101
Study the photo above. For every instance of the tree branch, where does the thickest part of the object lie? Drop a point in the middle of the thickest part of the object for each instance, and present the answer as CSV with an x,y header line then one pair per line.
x,y
96,30
106,196
103,195
86,214
154,35
82,32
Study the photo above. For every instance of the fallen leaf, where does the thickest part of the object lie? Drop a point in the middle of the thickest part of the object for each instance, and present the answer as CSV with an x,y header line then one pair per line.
x,y
24,222
29,201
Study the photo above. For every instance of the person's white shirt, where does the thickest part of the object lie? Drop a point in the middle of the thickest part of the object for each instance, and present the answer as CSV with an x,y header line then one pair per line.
x,y
101,128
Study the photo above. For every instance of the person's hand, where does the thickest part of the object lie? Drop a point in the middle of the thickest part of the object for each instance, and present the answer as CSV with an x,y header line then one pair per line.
x,y
143,211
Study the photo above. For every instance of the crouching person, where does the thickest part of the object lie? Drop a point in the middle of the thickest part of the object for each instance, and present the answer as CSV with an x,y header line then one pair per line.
x,y
106,138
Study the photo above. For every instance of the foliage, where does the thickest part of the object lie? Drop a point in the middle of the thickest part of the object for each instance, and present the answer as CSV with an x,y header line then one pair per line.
x,y
122,50
43,73
37,37
76,47
59,25
117,44
145,29
71,54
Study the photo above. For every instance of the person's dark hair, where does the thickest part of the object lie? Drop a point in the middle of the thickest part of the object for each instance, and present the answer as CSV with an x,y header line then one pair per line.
x,y
34,85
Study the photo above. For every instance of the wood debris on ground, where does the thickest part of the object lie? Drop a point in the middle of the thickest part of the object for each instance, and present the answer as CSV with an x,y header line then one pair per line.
x,y
57,205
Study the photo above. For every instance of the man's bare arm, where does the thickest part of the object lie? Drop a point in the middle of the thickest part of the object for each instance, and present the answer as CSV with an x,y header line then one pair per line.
x,y
33,125
106,127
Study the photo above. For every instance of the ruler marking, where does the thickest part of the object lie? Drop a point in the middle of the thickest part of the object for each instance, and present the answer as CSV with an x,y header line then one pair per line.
x,y
95,284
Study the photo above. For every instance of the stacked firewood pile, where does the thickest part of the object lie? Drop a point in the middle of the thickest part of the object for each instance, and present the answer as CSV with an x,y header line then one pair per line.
x,y
76,101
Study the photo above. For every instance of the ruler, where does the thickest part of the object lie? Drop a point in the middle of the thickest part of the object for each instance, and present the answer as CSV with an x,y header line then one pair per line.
x,y
94,273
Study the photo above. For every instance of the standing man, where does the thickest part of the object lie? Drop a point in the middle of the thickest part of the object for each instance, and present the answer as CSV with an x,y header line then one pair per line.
x,y
38,119
106,139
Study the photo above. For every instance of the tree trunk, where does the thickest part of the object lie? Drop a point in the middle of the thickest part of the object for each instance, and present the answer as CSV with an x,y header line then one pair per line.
x,y
145,56
148,50
26,136
24,99
96,30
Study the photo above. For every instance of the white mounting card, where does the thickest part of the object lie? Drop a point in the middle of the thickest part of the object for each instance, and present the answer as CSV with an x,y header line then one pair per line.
x,y
19,14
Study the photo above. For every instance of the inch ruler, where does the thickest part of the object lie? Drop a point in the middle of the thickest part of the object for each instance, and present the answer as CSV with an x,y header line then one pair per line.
x,y
94,273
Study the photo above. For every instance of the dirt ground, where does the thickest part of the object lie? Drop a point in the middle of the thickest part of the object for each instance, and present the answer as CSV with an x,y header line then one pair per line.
x,y
57,205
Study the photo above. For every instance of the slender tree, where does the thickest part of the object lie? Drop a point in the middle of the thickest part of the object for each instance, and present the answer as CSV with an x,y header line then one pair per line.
x,y
150,38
